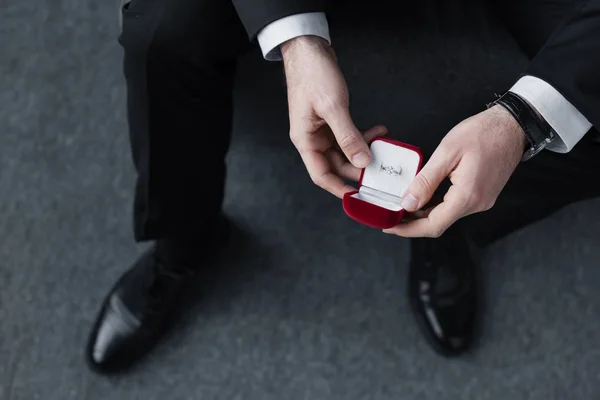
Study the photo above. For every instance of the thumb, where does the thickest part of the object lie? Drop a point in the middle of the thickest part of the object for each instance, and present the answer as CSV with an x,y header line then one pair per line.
x,y
348,137
424,185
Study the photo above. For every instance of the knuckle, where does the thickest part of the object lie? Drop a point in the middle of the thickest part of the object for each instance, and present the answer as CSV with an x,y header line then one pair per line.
x,y
437,232
462,199
327,106
294,138
478,200
424,183
488,205
474,199
348,141
317,180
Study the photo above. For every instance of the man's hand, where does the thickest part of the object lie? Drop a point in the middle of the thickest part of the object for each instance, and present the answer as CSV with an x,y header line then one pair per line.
x,y
478,155
321,128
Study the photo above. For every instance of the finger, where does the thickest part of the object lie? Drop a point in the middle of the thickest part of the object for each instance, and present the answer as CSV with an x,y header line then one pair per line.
x,y
424,185
341,166
375,131
433,226
438,219
369,134
348,137
419,214
340,163
321,174
308,135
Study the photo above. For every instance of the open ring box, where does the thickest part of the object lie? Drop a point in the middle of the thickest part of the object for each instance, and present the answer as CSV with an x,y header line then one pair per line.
x,y
377,202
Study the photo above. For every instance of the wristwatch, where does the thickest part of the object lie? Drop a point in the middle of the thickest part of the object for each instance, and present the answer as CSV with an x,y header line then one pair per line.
x,y
537,131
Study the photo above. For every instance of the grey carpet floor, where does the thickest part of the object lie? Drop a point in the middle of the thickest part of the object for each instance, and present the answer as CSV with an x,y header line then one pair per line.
x,y
310,305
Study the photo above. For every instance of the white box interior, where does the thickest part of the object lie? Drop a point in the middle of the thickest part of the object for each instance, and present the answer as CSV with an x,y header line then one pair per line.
x,y
386,189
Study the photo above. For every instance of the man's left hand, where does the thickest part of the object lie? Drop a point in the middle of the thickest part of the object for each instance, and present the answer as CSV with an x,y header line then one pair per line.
x,y
478,155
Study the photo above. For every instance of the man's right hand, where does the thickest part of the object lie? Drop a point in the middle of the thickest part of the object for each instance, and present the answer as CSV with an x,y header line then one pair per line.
x,y
321,128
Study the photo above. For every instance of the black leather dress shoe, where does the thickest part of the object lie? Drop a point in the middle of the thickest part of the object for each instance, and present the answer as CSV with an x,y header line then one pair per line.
x,y
139,309
443,292
135,314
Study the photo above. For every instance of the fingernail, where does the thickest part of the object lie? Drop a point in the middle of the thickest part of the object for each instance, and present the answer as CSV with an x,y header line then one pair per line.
x,y
409,202
360,160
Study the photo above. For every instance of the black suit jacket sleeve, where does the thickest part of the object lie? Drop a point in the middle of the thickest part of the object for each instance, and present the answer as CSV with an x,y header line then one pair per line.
x,y
570,59
256,14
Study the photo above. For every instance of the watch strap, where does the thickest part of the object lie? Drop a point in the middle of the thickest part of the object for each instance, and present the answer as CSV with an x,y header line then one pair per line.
x,y
537,131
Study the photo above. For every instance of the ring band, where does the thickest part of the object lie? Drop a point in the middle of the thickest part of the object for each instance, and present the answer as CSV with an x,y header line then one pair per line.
x,y
391,170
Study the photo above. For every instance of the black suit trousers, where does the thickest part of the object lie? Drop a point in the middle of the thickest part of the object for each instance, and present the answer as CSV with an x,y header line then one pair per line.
x,y
179,62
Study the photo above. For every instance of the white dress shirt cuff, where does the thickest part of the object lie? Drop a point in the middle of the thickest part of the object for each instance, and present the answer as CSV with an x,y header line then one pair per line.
x,y
569,124
284,29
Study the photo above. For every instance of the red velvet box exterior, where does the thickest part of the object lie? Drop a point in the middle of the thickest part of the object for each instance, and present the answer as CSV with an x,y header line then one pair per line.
x,y
371,214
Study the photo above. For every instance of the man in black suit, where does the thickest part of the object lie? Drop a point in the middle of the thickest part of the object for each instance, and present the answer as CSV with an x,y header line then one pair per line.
x,y
180,61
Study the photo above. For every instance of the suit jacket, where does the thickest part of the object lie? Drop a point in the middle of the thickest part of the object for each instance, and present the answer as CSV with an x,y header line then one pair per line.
x,y
256,14
570,60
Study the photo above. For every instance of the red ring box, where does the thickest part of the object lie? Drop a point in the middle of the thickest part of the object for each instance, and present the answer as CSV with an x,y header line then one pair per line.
x,y
382,183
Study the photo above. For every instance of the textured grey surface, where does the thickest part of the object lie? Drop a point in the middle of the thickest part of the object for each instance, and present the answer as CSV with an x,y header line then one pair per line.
x,y
311,306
